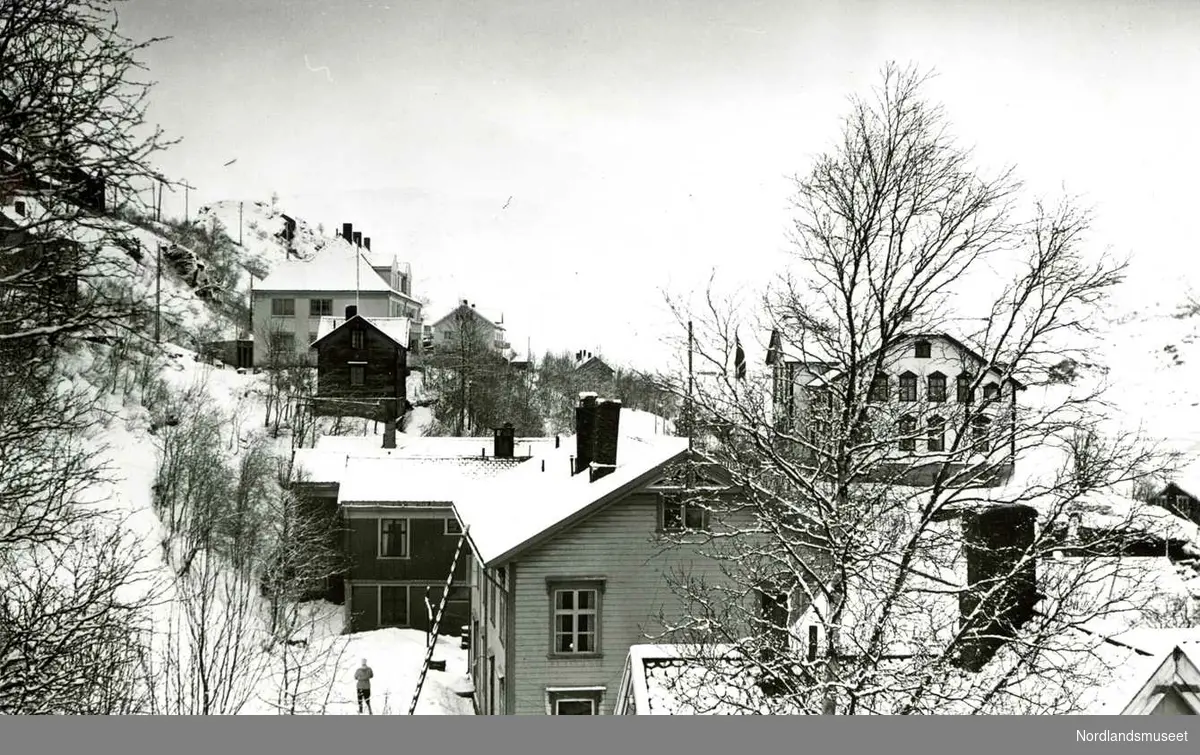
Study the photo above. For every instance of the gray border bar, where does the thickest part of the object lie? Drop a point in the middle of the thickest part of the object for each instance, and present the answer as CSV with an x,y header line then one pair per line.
x,y
604,735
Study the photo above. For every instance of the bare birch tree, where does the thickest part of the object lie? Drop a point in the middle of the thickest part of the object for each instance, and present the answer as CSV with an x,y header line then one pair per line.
x,y
868,582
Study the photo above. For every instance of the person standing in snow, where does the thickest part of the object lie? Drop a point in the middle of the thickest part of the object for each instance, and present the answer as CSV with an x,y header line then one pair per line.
x,y
362,675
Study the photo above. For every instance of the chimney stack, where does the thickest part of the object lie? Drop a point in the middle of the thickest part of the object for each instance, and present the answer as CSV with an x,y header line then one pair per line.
x,y
358,238
504,443
367,242
351,311
1001,581
348,232
585,431
608,432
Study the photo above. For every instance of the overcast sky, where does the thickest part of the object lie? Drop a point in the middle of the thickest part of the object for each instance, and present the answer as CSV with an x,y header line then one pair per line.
x,y
565,162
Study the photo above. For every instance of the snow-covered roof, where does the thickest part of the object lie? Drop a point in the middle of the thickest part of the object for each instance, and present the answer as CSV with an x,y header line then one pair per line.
x,y
329,270
670,680
395,328
493,322
399,479
525,505
431,446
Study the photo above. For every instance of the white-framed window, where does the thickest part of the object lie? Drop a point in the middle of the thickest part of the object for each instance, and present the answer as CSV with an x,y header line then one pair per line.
x,y
393,538
991,391
582,701
907,428
965,394
923,350
676,516
908,387
283,307
358,375
320,307
879,388
575,618
981,428
452,526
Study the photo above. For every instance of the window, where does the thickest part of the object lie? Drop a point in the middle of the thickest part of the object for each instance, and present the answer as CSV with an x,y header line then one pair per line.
x,y
358,374
937,434
907,428
312,337
937,387
812,642
357,336
393,538
575,608
452,526
282,344
320,307
980,427
502,612
991,391
574,702
283,307
908,387
923,349
675,515
393,606
965,394
879,388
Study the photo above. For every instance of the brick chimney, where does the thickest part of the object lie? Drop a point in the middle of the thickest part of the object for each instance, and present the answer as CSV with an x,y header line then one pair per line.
x,y
585,431
358,238
348,232
608,432
504,447
1002,588
351,310
367,242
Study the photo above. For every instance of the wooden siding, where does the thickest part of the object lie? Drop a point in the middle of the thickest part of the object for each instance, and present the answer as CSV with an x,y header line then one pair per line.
x,y
385,368
618,544
365,615
431,552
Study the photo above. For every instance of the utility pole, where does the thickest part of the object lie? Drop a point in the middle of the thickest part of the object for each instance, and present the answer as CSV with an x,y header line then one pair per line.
x,y
158,297
186,187
240,223
690,413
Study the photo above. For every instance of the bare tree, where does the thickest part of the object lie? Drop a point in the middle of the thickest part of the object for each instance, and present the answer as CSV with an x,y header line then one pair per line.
x,y
74,585
871,580
73,136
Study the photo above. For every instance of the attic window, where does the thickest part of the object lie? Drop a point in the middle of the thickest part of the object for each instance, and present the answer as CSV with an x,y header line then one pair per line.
x,y
357,336
991,391
678,516
923,350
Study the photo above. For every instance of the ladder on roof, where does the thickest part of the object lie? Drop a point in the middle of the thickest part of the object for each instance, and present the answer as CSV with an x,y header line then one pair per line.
x,y
437,621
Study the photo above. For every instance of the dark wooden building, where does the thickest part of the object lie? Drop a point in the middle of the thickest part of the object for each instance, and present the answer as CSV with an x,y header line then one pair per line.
x,y
1179,502
364,362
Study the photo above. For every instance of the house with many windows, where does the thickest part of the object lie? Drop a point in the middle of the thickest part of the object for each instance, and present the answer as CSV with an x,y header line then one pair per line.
x,y
466,321
573,553
288,304
932,402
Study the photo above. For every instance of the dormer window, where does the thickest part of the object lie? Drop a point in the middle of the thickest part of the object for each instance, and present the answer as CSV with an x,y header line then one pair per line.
x,y
937,387
924,350
908,387
991,391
